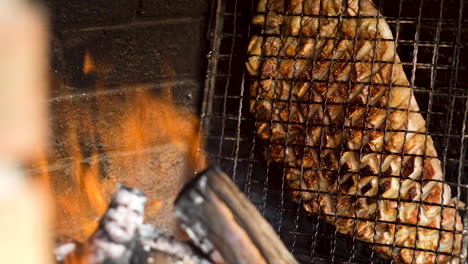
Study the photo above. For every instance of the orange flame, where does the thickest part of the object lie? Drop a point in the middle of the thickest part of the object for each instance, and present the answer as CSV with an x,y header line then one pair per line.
x,y
88,64
129,128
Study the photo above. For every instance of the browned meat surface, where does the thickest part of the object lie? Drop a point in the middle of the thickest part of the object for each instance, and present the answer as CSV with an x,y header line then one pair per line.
x,y
335,103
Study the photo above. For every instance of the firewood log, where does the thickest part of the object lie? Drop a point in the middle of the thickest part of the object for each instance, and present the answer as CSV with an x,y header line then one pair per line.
x,y
217,215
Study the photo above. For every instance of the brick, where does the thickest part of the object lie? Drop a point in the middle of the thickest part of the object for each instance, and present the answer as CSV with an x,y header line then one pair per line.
x,y
99,116
79,13
158,8
136,53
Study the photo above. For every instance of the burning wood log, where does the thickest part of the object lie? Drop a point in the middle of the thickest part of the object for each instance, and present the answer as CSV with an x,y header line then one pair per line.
x,y
217,215
221,221
122,238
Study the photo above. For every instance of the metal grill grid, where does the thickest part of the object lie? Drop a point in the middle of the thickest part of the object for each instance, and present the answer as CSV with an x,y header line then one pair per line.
x,y
432,43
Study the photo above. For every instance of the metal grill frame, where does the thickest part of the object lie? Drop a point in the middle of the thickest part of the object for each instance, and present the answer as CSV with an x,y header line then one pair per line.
x,y
231,143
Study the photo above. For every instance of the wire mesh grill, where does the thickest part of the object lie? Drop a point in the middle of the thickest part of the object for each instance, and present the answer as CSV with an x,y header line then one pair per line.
x,y
432,43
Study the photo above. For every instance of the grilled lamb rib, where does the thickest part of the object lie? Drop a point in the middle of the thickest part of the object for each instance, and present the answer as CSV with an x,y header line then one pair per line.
x,y
333,100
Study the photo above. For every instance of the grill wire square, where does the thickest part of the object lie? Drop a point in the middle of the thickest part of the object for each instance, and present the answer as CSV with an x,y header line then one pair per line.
x,y
432,43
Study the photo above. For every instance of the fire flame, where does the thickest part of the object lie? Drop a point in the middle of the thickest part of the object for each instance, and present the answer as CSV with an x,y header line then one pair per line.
x,y
145,122
88,64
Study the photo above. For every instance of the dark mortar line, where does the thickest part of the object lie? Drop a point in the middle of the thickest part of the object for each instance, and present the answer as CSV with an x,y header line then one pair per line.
x,y
139,23
126,89
67,162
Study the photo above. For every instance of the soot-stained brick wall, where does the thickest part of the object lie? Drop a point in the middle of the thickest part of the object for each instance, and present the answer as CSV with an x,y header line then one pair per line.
x,y
157,45
153,42
129,44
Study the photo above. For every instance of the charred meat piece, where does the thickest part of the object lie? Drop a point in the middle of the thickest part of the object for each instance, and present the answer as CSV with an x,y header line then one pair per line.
x,y
325,86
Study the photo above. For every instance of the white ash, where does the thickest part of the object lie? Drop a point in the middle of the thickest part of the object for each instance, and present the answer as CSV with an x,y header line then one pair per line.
x,y
117,234
63,250
124,216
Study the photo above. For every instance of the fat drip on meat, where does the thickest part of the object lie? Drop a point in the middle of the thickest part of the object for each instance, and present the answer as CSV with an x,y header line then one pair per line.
x,y
330,96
